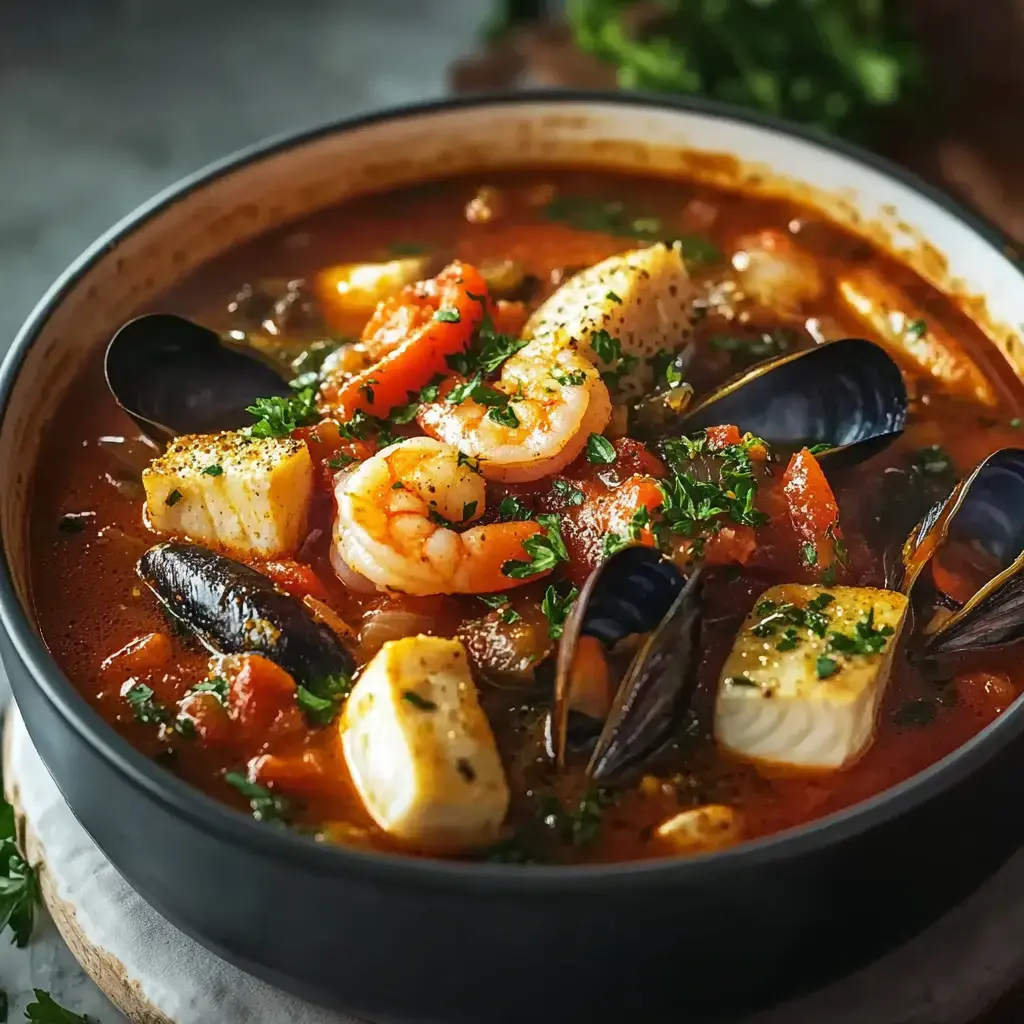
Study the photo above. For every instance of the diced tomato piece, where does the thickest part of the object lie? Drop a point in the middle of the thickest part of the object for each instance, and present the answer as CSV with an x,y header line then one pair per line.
x,y
294,578
509,317
813,511
723,436
260,692
211,720
143,654
586,526
731,545
304,774
951,583
410,364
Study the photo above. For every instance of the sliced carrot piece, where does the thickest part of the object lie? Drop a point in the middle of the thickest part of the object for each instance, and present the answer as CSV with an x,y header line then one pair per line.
x,y
143,654
413,362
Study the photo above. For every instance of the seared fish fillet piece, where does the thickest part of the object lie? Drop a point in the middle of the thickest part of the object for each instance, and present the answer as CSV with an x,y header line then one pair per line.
x,y
249,496
420,749
643,299
806,674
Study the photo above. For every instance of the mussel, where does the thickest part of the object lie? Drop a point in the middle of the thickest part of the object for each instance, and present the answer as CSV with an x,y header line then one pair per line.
x,y
233,609
973,545
846,394
175,377
636,593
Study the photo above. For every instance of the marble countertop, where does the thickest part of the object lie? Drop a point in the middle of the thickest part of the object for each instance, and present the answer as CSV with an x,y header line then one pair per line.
x,y
104,103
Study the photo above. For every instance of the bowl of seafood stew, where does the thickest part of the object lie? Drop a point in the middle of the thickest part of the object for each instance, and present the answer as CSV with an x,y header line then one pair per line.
x,y
511,538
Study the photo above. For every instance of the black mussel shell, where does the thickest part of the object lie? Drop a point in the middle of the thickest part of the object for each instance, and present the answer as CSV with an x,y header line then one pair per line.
x,y
983,514
233,609
654,692
848,394
174,377
629,593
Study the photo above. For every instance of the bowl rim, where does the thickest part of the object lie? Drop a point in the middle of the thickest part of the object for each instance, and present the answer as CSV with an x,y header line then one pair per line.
x,y
188,802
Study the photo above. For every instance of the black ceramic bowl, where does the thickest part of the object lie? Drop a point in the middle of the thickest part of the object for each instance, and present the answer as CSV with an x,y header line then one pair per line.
x,y
395,939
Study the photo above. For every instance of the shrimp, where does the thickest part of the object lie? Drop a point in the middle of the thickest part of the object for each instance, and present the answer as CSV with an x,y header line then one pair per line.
x,y
611,317
395,517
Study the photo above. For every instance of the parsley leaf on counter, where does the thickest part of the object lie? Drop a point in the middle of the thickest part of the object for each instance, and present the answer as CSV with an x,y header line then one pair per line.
x,y
19,885
46,1010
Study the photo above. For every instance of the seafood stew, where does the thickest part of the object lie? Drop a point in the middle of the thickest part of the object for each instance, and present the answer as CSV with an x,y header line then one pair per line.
x,y
564,517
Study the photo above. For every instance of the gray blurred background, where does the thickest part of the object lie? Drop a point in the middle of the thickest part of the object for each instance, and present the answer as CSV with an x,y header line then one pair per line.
x,y
104,102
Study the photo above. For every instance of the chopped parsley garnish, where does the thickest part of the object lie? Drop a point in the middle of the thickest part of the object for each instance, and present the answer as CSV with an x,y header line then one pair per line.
x,y
556,610
606,217
665,366
614,542
504,415
322,699
826,666
489,348
569,494
501,604
367,389
697,249
545,549
609,351
568,378
513,509
866,639
468,510
278,417
465,768
789,641
19,884
217,685
915,713
740,681
340,460
1015,423
761,346
579,825
265,805
809,554
447,316
498,402
146,708
600,450
468,461
418,702
213,470
933,461
612,297
916,329
73,522
817,449
173,498
407,249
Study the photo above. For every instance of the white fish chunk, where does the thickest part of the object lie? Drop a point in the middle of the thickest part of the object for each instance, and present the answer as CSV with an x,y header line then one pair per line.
x,y
701,829
249,496
806,674
776,272
643,298
913,341
420,749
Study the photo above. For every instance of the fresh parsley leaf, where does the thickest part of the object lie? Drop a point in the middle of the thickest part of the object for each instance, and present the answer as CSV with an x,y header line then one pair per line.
x,y
265,805
916,329
340,460
505,415
698,250
217,685
569,378
765,345
556,610
740,681
173,498
580,824
512,509
600,450
45,1010
146,708
447,316
318,710
545,549
933,461
569,494
214,470
809,554
417,701
915,713
606,217
501,604
278,417
826,666
19,884
407,249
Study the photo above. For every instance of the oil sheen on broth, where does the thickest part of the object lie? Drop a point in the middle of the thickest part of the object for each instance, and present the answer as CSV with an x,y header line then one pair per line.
x,y
448,565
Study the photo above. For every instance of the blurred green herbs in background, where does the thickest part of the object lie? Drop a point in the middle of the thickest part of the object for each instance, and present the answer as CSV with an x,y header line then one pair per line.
x,y
836,64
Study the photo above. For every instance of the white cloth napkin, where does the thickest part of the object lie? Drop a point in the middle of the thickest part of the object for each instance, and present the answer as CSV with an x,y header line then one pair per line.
x,y
948,975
